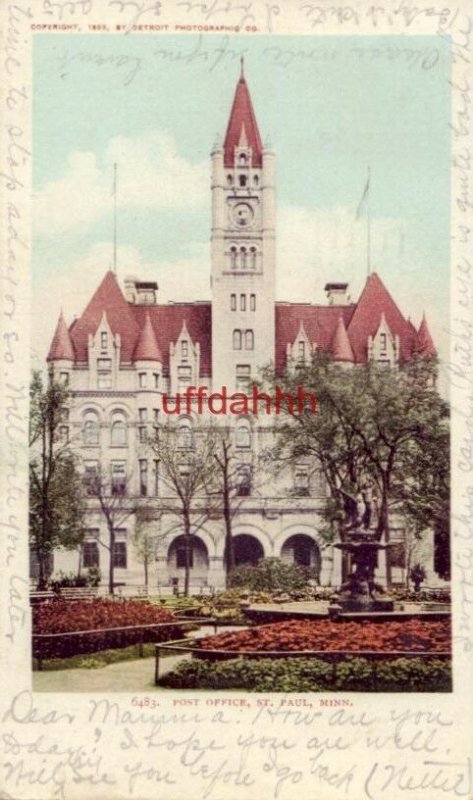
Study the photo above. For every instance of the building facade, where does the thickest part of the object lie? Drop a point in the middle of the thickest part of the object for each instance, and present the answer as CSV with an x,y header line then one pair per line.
x,y
126,352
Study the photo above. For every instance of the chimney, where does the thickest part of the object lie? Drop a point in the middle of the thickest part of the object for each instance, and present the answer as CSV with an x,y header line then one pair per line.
x,y
337,294
140,292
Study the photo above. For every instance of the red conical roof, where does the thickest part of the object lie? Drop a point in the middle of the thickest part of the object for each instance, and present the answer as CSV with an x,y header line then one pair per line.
x,y
425,343
109,299
147,348
61,345
242,121
374,301
341,347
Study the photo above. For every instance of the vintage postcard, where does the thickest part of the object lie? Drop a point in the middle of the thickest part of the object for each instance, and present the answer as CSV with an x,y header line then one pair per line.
x,y
237,453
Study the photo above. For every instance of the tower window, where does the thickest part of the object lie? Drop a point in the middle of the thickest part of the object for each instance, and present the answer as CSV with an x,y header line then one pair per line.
x,y
236,339
242,180
233,257
243,159
229,180
233,303
243,302
156,379
253,257
243,257
249,340
256,180
64,378
142,380
243,372
252,302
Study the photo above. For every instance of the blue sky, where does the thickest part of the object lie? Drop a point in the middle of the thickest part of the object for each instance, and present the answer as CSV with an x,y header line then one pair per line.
x,y
330,106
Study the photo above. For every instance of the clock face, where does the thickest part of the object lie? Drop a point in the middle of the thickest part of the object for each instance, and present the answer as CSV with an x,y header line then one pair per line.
x,y
242,215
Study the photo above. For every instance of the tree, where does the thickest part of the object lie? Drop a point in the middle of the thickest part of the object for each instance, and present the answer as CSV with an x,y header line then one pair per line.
x,y
144,544
373,426
187,468
56,511
116,507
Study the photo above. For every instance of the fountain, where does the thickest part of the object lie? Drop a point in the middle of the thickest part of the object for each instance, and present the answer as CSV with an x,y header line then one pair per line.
x,y
359,592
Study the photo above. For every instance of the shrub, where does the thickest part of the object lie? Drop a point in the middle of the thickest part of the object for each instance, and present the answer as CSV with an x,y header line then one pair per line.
x,y
312,675
271,575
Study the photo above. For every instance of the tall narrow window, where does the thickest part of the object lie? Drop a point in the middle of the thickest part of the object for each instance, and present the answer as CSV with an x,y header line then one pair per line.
x,y
252,302
253,257
64,378
143,477
119,549
233,257
249,340
243,373
383,341
301,350
156,477
237,339
184,434
243,257
184,348
103,340
233,303
142,380
242,180
91,429
90,476
118,432
243,302
90,548
156,380
118,469
243,433
244,480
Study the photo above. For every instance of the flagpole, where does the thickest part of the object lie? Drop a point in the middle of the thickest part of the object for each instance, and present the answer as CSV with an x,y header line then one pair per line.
x,y
368,225
115,218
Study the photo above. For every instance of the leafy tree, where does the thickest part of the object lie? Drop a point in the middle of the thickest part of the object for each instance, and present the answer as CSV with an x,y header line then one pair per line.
x,y
187,469
376,426
56,510
116,507
144,543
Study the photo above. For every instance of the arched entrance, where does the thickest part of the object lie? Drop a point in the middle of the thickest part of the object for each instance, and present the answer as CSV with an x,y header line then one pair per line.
x,y
198,561
247,549
300,549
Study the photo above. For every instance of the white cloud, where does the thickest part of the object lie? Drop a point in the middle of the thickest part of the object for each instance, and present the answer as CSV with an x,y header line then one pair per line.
x,y
151,175
186,278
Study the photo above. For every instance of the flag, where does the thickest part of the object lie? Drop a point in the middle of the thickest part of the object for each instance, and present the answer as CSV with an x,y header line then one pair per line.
x,y
364,197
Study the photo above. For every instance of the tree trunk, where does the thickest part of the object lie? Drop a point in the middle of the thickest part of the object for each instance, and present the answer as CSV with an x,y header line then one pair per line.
x,y
187,567
145,564
229,556
111,582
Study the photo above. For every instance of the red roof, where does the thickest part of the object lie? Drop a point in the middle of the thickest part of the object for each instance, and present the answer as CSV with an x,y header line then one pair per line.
x,y
242,117
374,301
147,348
425,344
167,322
108,298
319,322
61,345
341,347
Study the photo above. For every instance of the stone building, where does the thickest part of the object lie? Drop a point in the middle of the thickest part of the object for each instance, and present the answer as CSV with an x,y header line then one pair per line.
x,y
126,350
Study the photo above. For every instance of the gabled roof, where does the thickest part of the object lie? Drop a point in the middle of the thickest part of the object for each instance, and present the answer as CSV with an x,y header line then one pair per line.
x,y
147,348
425,344
341,347
167,322
319,323
374,300
109,299
242,121
61,345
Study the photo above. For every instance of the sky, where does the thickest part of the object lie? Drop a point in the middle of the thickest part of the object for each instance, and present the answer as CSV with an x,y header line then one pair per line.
x,y
331,107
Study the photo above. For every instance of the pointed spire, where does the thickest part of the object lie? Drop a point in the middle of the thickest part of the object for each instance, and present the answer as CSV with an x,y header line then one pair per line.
x,y
341,347
425,343
242,66
61,346
242,114
147,348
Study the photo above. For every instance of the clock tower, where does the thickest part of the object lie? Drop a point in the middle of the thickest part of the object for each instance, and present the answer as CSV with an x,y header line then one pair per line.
x,y
243,248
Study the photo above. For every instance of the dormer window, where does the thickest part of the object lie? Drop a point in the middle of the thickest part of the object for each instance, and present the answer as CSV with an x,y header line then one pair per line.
x,y
243,158
103,340
242,180
383,342
301,350
184,348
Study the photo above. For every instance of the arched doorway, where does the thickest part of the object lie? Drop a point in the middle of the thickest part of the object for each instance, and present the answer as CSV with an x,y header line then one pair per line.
x,y
247,549
198,561
300,549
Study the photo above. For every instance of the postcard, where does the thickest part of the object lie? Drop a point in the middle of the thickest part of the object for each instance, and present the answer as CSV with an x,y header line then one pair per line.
x,y
237,451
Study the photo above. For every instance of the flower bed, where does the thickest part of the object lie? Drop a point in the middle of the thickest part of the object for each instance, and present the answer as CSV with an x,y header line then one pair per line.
x,y
316,635
314,675
63,617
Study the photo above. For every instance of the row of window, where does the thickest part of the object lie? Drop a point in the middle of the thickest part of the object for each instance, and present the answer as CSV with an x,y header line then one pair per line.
x,y
243,340
246,302
149,486
243,257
